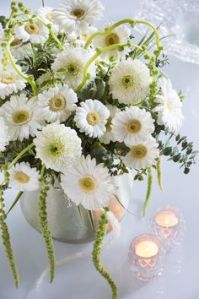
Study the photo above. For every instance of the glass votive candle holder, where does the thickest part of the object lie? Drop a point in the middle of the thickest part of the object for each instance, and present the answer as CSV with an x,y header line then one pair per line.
x,y
168,225
145,257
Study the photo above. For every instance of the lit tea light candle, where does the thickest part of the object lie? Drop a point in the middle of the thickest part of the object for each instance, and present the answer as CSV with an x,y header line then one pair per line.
x,y
144,256
167,224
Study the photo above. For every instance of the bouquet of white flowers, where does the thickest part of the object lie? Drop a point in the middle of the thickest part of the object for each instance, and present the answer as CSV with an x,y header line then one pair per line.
x,y
79,106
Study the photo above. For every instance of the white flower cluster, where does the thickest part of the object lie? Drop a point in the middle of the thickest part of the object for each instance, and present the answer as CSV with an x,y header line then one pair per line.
x,y
63,124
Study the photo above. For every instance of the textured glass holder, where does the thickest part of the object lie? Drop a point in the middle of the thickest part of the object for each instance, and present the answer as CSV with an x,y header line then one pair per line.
x,y
178,22
146,257
168,225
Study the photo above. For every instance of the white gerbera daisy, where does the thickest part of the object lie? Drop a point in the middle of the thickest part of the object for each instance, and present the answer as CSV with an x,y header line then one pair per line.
x,y
20,50
35,32
142,155
10,82
57,103
169,107
76,15
129,81
132,125
91,118
70,64
119,35
88,184
21,117
24,178
4,135
108,135
58,146
46,14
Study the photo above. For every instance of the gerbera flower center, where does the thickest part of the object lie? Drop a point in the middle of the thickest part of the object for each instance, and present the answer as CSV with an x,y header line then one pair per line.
x,y
133,126
169,105
21,117
57,103
8,79
56,149
112,39
32,28
78,13
21,177
16,42
73,69
87,184
49,16
128,81
93,118
138,151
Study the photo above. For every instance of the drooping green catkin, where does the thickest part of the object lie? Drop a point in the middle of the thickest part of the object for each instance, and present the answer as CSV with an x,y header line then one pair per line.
x,y
149,189
97,248
43,220
6,239
159,173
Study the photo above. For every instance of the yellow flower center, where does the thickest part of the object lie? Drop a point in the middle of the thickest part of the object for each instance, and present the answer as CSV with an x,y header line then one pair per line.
x,y
16,42
93,118
21,177
21,117
109,125
57,103
72,69
133,126
127,81
78,13
139,151
8,79
112,39
32,28
87,184
56,149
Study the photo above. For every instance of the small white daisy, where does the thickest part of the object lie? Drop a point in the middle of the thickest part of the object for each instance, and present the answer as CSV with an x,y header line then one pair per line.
x,y
46,14
91,118
4,135
108,135
20,50
142,155
10,82
129,81
58,146
24,178
88,184
57,103
35,32
119,35
77,15
21,117
169,107
70,64
132,125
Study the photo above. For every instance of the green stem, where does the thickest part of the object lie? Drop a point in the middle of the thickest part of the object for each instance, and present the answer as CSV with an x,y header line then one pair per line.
x,y
43,221
130,21
21,154
52,33
97,248
29,79
159,174
149,189
99,52
15,202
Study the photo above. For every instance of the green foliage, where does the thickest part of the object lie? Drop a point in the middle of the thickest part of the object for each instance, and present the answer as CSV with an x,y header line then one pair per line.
x,y
6,239
149,189
97,248
42,212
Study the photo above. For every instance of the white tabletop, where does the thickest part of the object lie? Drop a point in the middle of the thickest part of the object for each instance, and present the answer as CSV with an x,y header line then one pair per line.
x,y
78,279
